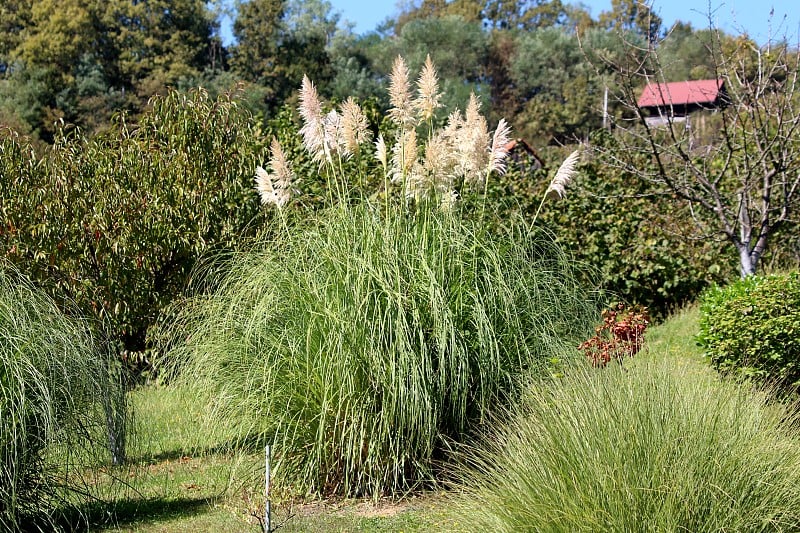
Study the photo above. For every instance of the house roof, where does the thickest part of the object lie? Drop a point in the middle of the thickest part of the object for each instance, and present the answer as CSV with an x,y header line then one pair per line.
x,y
681,93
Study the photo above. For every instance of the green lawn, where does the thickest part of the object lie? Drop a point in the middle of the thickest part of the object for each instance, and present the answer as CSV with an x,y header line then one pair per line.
x,y
180,482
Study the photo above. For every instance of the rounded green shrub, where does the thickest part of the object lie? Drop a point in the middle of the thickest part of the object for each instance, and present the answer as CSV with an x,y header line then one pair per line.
x,y
654,447
55,390
752,328
363,344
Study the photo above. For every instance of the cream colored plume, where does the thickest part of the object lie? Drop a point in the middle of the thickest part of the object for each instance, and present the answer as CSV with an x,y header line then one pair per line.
x,y
428,95
473,144
333,137
404,156
275,188
563,177
355,127
313,130
400,95
440,162
380,152
499,150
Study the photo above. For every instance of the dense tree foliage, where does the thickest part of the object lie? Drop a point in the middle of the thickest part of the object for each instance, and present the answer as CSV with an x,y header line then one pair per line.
x,y
117,221
81,61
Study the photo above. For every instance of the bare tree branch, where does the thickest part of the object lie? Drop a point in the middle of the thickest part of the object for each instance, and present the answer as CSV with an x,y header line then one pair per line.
x,y
740,179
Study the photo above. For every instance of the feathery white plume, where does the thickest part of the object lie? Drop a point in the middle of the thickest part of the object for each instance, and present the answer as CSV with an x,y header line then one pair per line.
x,y
380,151
313,130
428,95
333,137
499,150
473,145
563,177
400,95
355,126
275,188
404,156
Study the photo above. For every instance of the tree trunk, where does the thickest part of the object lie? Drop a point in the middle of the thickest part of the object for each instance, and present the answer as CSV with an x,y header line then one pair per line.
x,y
747,265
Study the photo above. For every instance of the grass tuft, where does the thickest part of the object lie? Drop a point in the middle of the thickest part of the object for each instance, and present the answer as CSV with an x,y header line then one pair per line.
x,y
55,392
658,447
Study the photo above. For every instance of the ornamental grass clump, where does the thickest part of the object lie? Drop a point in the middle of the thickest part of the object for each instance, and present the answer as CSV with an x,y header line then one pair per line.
x,y
362,346
361,343
654,447
56,392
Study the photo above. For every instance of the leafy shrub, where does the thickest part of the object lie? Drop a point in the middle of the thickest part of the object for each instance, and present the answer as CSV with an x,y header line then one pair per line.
x,y
642,249
55,391
117,221
651,447
752,328
362,344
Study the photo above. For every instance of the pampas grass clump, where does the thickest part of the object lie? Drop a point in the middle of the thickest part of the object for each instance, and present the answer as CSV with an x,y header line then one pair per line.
x,y
52,382
362,346
656,448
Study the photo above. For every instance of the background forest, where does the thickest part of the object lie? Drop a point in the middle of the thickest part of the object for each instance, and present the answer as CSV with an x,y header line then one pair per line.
x,y
80,61
160,172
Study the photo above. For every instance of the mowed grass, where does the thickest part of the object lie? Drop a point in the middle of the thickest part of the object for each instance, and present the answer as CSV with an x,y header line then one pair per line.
x,y
180,481
675,338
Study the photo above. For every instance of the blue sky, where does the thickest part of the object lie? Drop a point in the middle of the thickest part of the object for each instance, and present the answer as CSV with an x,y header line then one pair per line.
x,y
732,16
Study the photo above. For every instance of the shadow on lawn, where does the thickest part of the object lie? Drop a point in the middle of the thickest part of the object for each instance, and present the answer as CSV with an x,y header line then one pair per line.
x,y
130,511
225,449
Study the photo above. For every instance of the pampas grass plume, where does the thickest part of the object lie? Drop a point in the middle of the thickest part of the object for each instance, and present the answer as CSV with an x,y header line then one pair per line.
x,y
400,95
380,152
563,177
428,95
275,188
499,150
313,131
355,126
473,143
558,187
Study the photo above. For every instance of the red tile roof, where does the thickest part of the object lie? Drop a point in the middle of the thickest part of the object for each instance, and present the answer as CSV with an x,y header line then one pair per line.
x,y
680,93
